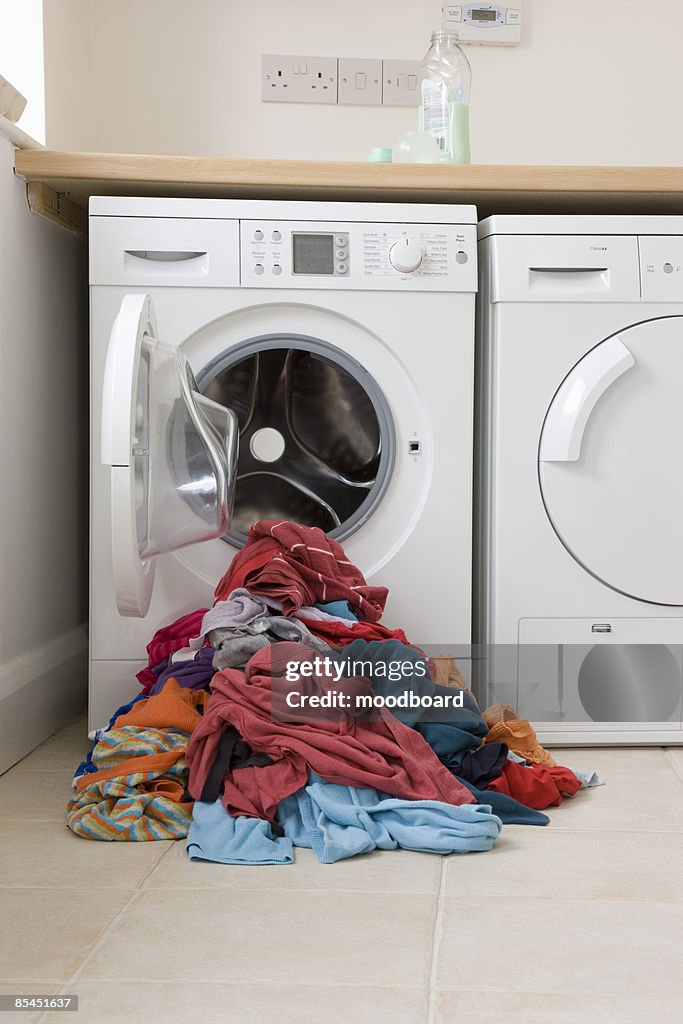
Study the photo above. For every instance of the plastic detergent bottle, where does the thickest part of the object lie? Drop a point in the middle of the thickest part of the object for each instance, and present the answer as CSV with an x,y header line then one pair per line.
x,y
444,113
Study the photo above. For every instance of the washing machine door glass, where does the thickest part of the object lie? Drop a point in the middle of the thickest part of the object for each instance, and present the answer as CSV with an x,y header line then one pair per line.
x,y
172,452
317,437
610,457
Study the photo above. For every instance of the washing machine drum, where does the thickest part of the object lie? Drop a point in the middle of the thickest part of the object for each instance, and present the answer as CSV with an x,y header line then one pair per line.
x,y
316,433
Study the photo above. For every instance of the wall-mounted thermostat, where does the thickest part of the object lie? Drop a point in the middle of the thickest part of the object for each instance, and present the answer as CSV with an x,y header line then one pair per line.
x,y
485,24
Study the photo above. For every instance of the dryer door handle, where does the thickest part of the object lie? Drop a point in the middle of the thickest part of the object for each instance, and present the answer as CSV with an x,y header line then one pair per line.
x,y
576,398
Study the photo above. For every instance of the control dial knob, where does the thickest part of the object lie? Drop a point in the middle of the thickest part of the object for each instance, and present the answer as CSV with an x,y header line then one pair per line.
x,y
406,255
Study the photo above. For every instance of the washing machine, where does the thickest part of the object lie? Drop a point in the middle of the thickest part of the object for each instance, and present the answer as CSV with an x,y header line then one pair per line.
x,y
578,621
291,360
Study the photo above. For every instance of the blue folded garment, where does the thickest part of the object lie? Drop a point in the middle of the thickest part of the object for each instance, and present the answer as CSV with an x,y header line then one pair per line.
x,y
342,609
214,835
338,822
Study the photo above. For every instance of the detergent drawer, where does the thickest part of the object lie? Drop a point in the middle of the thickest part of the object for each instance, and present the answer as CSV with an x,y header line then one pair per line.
x,y
154,251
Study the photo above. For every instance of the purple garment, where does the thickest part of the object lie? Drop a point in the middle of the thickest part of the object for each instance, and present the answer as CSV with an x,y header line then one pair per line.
x,y
195,674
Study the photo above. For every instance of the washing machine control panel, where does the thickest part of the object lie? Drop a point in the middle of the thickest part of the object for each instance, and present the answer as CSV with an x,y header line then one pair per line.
x,y
411,257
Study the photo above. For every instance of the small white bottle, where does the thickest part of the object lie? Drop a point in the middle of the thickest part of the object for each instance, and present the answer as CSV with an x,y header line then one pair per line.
x,y
444,113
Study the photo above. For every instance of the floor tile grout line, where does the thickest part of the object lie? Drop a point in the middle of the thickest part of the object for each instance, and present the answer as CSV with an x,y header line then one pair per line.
x,y
141,886
275,983
283,889
134,893
673,763
436,944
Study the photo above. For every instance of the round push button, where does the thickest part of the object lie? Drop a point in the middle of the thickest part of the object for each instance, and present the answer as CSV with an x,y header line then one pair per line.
x,y
276,236
258,268
668,268
461,257
277,269
258,236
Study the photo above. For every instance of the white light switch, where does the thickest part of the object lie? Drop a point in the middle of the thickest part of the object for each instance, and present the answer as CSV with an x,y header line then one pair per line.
x,y
360,80
399,82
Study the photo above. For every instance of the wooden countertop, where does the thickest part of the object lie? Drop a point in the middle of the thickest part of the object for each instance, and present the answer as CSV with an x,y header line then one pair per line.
x,y
61,183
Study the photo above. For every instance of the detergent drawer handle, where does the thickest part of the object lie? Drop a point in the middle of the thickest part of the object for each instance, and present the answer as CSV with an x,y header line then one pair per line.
x,y
165,255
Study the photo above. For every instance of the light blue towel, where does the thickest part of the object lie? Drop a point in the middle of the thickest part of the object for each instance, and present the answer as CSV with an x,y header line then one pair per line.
x,y
214,835
341,821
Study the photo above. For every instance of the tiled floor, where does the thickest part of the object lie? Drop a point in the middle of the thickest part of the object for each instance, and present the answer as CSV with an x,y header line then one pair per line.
x,y
576,923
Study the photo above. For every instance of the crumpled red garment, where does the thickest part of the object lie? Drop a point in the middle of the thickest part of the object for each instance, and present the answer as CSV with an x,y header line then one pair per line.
x,y
300,565
536,785
378,754
166,641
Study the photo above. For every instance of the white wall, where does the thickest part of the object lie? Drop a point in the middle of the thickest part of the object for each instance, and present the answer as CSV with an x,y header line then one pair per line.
x,y
21,59
43,469
589,84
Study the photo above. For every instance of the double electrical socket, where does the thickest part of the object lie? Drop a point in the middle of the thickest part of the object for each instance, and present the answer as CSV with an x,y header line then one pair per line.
x,y
354,80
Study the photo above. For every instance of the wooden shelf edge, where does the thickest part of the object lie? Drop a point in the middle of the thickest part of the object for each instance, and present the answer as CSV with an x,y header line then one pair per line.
x,y
183,170
70,179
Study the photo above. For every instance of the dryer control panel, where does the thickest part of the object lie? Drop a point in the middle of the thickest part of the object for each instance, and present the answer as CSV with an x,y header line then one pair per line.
x,y
401,257
661,268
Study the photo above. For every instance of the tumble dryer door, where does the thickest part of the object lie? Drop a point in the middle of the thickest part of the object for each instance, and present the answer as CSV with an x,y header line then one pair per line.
x,y
610,458
172,452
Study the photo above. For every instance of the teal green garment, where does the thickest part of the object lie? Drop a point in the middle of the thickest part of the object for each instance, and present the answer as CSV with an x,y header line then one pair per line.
x,y
338,822
510,811
342,609
461,728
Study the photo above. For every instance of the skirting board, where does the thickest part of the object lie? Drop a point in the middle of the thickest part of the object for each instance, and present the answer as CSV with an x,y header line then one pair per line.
x,y
40,692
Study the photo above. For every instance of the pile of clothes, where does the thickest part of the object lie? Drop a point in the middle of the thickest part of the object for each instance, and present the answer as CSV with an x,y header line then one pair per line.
x,y
213,750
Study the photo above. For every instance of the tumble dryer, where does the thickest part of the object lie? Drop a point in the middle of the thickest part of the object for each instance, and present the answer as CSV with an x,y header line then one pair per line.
x,y
303,361
579,580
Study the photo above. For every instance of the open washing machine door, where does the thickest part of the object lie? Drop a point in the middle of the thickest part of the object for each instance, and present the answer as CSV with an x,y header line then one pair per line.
x,y
609,461
172,452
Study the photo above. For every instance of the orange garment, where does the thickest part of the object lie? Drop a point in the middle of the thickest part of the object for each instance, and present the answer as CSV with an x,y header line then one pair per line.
x,y
445,671
169,788
175,707
520,737
158,763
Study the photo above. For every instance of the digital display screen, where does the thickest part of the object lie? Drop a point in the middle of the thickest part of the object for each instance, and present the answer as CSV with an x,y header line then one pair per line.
x,y
483,15
313,254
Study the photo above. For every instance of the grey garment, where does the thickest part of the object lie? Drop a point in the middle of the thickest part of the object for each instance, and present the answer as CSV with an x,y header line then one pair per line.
x,y
239,608
515,757
237,648
587,779
234,647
